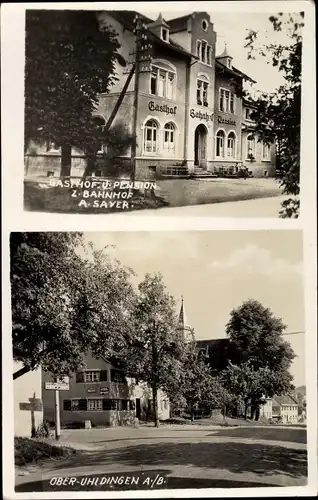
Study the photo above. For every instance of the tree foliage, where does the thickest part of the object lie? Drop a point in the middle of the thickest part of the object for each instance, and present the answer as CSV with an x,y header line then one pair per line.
x,y
69,60
197,386
260,357
154,352
64,304
278,115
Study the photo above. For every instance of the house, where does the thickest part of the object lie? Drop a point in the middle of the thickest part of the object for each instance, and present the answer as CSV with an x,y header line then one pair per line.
x,y
184,106
285,409
102,394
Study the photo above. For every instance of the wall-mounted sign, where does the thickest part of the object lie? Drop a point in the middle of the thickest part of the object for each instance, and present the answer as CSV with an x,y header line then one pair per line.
x,y
91,389
225,121
202,116
163,108
104,390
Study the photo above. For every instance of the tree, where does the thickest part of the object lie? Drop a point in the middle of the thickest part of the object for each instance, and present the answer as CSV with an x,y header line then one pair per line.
x,y
69,60
63,303
153,354
259,351
278,115
197,385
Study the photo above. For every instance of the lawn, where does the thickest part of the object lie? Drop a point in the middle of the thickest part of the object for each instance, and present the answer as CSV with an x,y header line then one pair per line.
x,y
29,451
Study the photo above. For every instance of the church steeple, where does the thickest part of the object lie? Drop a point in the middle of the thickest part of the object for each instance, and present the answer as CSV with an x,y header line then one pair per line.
x,y
184,328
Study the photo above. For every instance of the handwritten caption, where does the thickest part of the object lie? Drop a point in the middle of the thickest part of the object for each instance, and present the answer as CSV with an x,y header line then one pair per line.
x,y
117,194
126,481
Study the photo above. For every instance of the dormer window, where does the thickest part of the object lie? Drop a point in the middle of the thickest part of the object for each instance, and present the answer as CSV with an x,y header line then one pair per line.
x,y
165,34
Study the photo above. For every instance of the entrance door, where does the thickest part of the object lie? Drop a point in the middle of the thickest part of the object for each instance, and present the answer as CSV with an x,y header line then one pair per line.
x,y
200,141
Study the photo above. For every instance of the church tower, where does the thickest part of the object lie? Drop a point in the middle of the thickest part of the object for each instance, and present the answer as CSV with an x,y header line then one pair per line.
x,y
184,328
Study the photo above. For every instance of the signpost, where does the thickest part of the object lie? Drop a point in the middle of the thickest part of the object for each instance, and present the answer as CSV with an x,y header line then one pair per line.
x,y
62,384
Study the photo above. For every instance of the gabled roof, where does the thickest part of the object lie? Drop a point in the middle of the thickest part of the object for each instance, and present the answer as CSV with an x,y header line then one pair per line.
x,y
285,399
126,18
179,23
232,71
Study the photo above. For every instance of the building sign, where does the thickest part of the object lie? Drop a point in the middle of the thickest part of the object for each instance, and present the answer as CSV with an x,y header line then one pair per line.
x,y
62,384
104,390
164,108
202,116
91,390
225,121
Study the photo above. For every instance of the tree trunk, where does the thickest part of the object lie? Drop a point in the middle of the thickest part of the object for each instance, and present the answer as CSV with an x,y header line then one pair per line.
x,y
155,405
257,412
66,160
90,165
192,414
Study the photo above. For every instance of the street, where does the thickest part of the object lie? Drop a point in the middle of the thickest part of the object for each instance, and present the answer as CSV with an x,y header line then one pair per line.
x,y
192,457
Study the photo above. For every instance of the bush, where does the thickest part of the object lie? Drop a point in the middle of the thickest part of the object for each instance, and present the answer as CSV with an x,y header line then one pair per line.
x,y
27,451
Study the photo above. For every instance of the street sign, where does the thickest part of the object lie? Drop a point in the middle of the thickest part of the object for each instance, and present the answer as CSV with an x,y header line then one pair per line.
x,y
62,384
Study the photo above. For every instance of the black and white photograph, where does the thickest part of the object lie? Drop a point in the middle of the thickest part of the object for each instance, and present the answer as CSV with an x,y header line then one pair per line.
x,y
137,372
158,112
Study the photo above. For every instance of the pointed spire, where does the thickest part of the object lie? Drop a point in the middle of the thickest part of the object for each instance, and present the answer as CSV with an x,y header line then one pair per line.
x,y
225,53
183,327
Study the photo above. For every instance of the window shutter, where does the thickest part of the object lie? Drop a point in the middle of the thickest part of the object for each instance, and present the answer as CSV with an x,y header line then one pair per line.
x,y
80,377
82,404
107,404
103,375
67,405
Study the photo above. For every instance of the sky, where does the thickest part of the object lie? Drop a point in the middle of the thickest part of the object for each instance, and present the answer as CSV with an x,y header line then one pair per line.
x,y
215,271
232,28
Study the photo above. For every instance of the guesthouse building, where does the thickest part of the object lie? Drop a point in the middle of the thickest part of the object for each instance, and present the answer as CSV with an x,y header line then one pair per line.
x,y
184,105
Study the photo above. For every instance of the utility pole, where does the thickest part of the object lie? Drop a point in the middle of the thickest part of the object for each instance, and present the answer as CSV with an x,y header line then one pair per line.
x,y
57,415
141,54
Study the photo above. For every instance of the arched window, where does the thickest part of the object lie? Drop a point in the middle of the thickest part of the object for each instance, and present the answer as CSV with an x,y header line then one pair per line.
x,y
162,79
231,145
220,136
250,146
151,136
169,138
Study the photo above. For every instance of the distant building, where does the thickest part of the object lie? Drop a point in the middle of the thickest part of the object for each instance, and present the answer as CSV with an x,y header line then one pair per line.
x,y
266,410
285,409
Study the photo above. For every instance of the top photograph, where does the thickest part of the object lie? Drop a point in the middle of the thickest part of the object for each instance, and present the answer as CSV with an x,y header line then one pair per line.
x,y
181,114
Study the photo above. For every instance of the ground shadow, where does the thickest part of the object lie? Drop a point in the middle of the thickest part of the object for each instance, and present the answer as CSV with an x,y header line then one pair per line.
x,y
266,433
236,457
145,480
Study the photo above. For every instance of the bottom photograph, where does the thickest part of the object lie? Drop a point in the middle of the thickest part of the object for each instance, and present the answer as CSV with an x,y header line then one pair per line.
x,y
158,360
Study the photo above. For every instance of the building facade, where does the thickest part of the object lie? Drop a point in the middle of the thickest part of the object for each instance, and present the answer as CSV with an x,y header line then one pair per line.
x,y
190,116
102,394
285,409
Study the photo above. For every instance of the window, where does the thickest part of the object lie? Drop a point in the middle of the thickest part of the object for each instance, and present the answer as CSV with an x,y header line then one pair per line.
x,y
229,63
151,137
231,142
51,146
166,404
248,112
220,143
204,52
265,152
226,101
162,82
94,404
117,376
169,144
92,376
202,93
75,404
165,34
204,25
250,146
